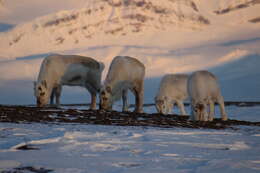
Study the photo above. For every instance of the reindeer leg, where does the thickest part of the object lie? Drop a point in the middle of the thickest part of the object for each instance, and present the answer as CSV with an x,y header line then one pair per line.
x,y
52,96
93,101
194,116
205,116
139,96
125,101
181,107
211,110
170,106
93,92
221,103
58,94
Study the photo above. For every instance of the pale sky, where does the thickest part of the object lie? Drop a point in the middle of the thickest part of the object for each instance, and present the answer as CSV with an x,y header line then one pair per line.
x,y
19,11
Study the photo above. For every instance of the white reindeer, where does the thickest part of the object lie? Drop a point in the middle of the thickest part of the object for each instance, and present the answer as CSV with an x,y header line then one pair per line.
x,y
203,90
125,73
173,89
72,70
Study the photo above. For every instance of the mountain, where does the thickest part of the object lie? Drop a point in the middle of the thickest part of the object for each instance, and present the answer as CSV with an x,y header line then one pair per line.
x,y
125,21
101,19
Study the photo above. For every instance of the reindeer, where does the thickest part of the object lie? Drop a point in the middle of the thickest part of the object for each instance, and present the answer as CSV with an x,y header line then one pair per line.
x,y
203,90
72,70
173,89
125,73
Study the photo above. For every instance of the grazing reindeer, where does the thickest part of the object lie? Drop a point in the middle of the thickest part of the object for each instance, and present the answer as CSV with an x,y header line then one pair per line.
x,y
173,89
72,70
125,73
203,90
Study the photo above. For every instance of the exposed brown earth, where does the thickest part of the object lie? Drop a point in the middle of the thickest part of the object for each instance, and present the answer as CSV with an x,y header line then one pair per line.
x,y
30,114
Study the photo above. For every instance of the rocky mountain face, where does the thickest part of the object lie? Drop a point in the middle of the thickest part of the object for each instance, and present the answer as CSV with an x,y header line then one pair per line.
x,y
109,17
237,6
120,19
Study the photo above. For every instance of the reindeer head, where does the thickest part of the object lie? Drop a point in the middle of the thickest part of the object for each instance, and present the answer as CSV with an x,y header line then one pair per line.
x,y
41,93
106,98
199,111
161,105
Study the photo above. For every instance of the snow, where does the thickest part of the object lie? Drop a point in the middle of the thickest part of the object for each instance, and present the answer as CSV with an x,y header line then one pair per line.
x,y
70,147
98,148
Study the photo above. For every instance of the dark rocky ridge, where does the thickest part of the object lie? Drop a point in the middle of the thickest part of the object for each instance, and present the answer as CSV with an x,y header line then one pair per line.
x,y
29,114
237,7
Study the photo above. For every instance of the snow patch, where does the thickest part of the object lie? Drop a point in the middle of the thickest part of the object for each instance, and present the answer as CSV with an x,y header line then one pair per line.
x,y
170,155
136,135
81,135
232,56
36,142
6,164
46,141
90,155
238,145
99,147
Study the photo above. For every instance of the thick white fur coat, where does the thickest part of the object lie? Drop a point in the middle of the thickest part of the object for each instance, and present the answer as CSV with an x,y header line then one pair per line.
x,y
125,73
73,70
172,90
204,91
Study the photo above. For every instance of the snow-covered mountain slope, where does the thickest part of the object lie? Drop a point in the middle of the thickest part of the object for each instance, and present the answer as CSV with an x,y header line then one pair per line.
x,y
128,22
102,20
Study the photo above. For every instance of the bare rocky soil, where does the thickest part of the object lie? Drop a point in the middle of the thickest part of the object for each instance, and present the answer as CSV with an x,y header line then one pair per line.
x,y
28,169
31,114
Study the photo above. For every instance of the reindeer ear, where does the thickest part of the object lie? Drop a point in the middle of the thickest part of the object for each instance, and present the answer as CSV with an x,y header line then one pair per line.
x,y
44,83
108,88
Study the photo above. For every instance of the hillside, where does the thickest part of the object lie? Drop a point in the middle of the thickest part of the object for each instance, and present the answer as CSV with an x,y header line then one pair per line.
x,y
130,22
105,20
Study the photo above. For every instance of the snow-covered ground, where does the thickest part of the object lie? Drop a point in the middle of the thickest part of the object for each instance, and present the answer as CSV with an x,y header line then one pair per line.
x,y
70,148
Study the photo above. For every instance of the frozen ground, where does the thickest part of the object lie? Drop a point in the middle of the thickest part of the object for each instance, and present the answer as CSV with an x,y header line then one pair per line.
x,y
112,149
